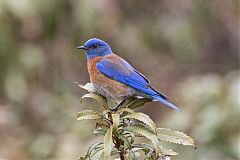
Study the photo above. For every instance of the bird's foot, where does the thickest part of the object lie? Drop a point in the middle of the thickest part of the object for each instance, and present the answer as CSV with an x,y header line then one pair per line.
x,y
118,106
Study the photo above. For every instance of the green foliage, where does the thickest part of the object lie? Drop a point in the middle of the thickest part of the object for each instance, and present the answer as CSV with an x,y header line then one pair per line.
x,y
108,140
88,114
143,118
171,136
121,129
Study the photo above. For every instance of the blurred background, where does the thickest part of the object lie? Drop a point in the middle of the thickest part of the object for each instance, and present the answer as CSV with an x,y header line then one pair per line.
x,y
188,49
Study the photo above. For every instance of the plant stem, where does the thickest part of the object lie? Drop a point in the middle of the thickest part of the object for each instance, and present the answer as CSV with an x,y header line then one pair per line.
x,y
118,141
118,145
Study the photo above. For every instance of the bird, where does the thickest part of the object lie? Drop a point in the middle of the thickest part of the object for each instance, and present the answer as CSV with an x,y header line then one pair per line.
x,y
115,78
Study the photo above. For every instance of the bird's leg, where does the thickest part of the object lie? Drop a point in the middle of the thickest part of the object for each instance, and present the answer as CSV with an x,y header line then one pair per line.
x,y
118,106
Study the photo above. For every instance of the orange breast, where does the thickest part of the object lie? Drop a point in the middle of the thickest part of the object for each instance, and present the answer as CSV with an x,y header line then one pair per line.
x,y
107,86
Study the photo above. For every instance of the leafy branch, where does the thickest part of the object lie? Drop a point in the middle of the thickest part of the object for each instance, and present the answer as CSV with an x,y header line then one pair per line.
x,y
121,128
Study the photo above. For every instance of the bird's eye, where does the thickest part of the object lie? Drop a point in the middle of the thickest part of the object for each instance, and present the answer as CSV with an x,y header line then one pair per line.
x,y
95,46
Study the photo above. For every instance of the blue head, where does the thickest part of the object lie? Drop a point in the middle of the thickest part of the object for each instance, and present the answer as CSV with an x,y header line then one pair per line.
x,y
95,47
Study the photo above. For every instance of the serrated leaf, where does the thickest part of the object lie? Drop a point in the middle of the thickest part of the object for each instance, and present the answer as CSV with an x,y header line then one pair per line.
x,y
138,103
172,136
143,118
89,86
88,114
168,152
108,144
146,132
96,97
115,119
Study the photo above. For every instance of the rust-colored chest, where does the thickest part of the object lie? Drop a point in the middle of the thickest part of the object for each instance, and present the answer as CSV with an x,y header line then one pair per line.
x,y
96,77
104,85
92,69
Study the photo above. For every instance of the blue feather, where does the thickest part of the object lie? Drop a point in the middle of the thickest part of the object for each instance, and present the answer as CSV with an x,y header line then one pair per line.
x,y
121,71
166,102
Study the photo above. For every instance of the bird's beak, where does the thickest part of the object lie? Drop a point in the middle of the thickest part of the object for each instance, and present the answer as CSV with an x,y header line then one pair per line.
x,y
82,47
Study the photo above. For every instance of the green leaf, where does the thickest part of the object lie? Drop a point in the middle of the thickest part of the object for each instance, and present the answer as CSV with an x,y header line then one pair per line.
x,y
125,140
100,131
172,136
89,86
125,110
146,148
94,145
94,148
115,119
143,118
143,146
130,135
128,102
168,152
114,153
139,102
96,97
131,155
145,131
101,157
108,144
88,114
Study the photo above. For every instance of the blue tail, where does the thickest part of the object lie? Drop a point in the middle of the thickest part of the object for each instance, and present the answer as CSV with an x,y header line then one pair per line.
x,y
162,99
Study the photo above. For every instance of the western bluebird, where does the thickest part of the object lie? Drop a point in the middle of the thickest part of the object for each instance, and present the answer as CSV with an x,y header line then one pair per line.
x,y
115,78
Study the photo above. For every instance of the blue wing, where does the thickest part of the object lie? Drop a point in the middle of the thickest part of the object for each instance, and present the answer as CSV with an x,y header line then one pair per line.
x,y
118,69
